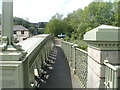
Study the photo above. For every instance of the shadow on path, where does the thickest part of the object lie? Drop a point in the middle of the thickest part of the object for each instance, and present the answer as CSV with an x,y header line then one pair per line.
x,y
59,76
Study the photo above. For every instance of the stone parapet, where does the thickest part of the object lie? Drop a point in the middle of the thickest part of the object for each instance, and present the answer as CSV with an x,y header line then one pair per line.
x,y
103,44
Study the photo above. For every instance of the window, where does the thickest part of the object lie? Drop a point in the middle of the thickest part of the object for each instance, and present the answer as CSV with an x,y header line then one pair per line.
x,y
22,32
14,32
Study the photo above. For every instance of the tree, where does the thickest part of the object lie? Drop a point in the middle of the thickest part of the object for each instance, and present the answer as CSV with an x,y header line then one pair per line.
x,y
20,21
117,11
95,14
56,26
77,23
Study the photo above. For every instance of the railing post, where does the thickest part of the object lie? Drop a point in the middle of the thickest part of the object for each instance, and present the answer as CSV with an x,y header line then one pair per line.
x,y
103,43
70,54
74,57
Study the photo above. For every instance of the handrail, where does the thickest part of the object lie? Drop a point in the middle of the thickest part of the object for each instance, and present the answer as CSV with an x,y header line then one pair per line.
x,y
111,75
82,50
115,68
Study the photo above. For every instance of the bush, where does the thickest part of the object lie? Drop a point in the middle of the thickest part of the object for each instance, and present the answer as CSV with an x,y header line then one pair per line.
x,y
81,44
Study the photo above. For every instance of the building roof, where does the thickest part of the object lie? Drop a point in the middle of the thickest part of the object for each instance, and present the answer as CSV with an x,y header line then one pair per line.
x,y
18,28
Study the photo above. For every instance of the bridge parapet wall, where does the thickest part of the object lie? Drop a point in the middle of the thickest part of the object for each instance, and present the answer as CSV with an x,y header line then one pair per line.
x,y
103,44
20,72
77,59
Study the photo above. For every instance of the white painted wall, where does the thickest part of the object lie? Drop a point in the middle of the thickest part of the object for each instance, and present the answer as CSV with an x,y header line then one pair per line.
x,y
21,36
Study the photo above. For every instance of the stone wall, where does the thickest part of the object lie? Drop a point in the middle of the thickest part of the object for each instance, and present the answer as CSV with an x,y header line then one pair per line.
x,y
103,44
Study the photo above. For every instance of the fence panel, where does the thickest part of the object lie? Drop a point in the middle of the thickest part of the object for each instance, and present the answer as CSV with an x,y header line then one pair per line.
x,y
77,60
81,66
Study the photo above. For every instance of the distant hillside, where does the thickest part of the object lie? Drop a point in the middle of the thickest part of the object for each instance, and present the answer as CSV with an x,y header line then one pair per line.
x,y
18,21
33,27
26,24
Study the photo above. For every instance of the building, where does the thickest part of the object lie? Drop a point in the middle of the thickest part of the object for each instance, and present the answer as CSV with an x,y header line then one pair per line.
x,y
20,32
40,27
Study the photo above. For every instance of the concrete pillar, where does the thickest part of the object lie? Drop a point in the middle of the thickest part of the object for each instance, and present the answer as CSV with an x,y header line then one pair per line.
x,y
74,57
7,20
103,43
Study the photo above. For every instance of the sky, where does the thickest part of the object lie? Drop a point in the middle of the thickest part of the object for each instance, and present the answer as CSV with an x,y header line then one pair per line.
x,y
42,10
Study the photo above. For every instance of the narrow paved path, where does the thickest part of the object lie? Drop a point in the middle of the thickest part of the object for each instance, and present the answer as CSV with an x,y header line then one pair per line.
x,y
59,76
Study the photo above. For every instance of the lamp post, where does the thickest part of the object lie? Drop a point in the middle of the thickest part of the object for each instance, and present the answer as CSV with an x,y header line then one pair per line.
x,y
7,20
10,51
7,27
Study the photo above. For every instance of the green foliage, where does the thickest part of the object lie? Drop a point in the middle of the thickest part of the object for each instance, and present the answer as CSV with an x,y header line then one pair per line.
x,y
77,23
41,31
31,28
94,15
81,44
67,38
20,21
117,13
54,27
57,26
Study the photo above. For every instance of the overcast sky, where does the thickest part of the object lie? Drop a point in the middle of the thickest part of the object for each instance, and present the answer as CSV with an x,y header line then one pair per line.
x,y
43,10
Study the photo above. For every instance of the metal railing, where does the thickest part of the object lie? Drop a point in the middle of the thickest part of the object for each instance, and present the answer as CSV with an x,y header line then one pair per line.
x,y
112,74
77,60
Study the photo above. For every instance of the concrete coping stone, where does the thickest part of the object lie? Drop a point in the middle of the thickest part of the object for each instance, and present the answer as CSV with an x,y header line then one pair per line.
x,y
103,33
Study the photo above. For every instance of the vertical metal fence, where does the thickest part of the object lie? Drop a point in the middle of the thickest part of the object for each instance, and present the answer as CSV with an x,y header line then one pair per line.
x,y
112,74
77,60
